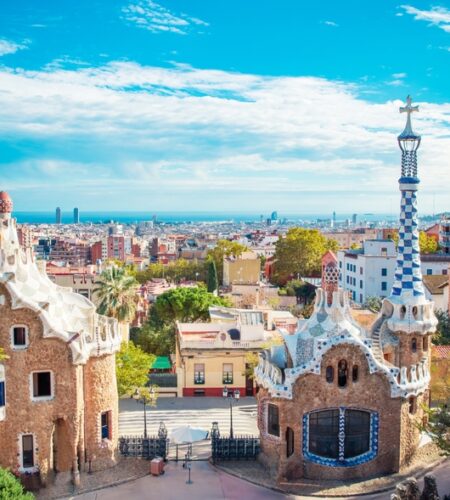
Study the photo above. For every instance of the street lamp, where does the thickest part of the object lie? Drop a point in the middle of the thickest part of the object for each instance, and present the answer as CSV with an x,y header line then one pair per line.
x,y
145,396
235,395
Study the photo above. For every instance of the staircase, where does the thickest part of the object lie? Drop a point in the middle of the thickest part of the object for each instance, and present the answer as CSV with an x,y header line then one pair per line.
x,y
376,340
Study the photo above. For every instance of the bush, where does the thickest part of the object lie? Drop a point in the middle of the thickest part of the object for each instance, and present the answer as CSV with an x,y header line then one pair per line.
x,y
10,487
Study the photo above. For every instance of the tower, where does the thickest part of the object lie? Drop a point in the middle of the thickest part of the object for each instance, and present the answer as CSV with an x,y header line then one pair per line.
x,y
76,216
58,215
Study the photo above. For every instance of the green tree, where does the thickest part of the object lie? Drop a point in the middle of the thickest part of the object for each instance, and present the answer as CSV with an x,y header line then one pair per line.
x,y
437,426
213,281
185,304
158,341
132,367
442,335
427,243
373,303
300,253
117,294
225,248
10,487
175,271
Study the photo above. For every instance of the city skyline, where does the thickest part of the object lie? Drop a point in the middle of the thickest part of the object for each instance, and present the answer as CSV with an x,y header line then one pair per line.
x,y
158,106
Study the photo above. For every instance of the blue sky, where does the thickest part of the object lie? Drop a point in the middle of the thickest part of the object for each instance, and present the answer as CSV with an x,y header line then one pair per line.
x,y
225,106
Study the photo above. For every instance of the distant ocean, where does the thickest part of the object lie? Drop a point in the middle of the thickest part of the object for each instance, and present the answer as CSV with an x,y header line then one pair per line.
x,y
182,217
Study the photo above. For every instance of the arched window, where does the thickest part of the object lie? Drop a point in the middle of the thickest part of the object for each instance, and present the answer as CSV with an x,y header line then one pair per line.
x,y
355,373
414,345
342,373
289,442
340,436
402,312
329,374
273,420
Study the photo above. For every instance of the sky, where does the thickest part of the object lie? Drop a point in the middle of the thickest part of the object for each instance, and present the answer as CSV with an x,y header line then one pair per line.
x,y
234,106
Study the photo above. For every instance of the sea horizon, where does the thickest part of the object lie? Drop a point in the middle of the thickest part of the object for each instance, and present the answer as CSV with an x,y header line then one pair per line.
x,y
173,217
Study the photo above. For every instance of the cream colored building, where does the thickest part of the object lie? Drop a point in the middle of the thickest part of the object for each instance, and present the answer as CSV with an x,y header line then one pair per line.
x,y
242,270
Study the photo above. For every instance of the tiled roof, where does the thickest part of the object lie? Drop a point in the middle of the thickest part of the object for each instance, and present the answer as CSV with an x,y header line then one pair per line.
x,y
441,351
435,283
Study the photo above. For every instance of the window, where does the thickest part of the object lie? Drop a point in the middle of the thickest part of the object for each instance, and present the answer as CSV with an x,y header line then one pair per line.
x,y
361,298
227,373
357,433
105,424
361,270
360,283
340,436
355,373
383,286
2,393
27,451
412,405
42,385
383,251
342,373
19,336
289,442
329,374
323,433
383,271
199,373
273,420
425,343
414,345
340,264
429,272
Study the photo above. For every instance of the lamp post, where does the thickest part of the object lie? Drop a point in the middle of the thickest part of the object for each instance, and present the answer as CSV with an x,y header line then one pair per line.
x,y
145,396
234,397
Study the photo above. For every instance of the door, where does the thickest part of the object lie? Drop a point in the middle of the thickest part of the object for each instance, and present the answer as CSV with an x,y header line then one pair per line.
x,y
249,390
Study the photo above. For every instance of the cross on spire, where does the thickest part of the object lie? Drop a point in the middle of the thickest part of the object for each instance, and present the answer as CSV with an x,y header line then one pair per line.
x,y
408,109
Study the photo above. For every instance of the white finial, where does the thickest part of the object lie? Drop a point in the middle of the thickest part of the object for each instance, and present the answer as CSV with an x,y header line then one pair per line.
x,y
408,132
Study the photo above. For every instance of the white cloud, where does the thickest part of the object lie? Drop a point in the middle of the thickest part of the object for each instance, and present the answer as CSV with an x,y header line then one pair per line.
x,y
331,23
196,132
157,19
9,47
436,16
399,75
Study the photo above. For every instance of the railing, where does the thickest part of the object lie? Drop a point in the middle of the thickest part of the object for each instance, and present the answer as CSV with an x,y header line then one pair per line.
x,y
238,448
140,447
163,379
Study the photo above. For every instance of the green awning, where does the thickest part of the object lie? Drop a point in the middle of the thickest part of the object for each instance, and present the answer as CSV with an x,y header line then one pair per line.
x,y
161,363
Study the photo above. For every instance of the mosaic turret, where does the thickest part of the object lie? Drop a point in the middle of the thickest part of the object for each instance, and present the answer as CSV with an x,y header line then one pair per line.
x,y
407,306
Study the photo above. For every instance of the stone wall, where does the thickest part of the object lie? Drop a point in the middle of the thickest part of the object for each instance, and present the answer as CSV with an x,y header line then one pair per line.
x,y
313,392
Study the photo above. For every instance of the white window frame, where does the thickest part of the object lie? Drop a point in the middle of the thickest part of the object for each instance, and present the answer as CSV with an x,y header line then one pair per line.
x,y
35,466
52,387
27,337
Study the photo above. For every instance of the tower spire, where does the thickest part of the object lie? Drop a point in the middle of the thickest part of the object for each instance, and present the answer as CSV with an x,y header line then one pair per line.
x,y
408,275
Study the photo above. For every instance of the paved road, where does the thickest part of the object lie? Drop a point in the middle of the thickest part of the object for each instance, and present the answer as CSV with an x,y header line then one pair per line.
x,y
196,412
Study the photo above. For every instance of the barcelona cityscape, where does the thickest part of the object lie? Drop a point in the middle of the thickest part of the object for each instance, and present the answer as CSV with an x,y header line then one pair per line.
x,y
224,250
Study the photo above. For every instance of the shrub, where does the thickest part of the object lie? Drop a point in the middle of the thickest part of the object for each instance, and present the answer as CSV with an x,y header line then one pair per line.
x,y
10,487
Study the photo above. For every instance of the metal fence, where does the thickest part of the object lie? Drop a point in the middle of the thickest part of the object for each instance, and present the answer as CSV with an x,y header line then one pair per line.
x,y
163,379
140,447
238,448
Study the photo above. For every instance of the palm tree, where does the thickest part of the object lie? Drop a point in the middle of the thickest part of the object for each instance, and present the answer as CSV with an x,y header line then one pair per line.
x,y
117,294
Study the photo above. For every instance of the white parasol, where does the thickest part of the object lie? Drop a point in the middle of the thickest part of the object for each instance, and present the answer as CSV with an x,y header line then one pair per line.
x,y
187,434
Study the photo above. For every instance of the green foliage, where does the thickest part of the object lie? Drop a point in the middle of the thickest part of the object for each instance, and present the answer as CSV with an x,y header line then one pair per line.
x,y
185,304
213,280
307,311
373,303
132,366
437,427
427,243
175,271
442,335
225,248
117,294
11,488
304,291
158,341
3,355
300,253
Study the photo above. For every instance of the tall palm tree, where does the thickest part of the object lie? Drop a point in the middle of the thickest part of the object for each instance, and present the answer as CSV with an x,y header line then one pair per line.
x,y
117,294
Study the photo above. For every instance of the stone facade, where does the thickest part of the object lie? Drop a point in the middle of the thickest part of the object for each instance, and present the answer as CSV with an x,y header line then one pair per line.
x,y
59,377
337,401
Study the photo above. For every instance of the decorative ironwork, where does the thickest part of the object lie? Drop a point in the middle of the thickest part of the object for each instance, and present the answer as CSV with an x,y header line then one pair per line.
x,y
238,448
147,448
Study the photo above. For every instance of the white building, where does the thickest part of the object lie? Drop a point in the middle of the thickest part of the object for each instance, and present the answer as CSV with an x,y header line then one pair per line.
x,y
369,272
